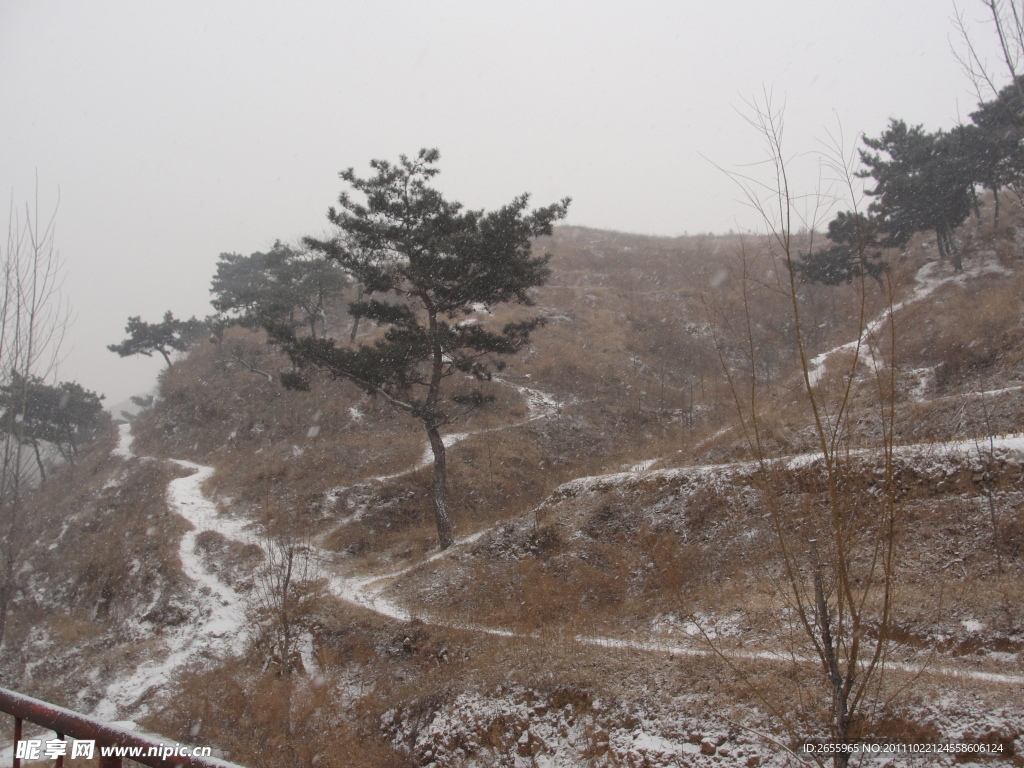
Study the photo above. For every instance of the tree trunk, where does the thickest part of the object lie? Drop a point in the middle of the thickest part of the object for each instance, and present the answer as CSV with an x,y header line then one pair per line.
x,y
355,320
948,247
995,217
953,248
39,462
4,592
830,660
438,489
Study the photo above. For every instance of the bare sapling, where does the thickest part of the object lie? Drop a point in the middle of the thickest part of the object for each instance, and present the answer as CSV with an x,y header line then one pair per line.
x,y
33,320
833,516
285,592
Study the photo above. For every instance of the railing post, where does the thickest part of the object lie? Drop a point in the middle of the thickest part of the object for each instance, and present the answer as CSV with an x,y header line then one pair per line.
x,y
17,738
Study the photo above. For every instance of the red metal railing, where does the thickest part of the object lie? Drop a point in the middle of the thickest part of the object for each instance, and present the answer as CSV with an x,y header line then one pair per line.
x,y
66,723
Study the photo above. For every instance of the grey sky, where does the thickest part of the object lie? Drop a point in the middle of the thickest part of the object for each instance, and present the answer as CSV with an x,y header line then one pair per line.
x,y
179,130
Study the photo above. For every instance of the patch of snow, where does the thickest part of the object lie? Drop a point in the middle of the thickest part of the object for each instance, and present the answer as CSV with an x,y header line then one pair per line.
x,y
124,441
926,283
925,377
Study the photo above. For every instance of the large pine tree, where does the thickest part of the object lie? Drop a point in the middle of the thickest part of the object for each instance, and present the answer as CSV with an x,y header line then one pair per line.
x,y
432,264
922,182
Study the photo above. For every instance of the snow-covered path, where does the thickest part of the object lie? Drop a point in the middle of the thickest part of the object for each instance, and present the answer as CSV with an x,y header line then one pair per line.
x,y
366,592
539,404
219,627
926,282
186,497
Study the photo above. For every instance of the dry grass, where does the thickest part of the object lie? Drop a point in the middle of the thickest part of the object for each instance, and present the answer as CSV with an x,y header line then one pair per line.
x,y
619,560
970,335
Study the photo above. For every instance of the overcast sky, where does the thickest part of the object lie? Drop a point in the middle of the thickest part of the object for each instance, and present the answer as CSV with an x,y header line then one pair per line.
x,y
176,131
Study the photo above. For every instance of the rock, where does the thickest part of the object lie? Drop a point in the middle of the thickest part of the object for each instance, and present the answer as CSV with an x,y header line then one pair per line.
x,y
707,746
523,745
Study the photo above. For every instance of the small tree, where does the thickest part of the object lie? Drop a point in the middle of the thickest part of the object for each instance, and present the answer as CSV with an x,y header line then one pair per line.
x,y
171,335
63,416
434,264
268,288
33,319
286,590
836,545
853,234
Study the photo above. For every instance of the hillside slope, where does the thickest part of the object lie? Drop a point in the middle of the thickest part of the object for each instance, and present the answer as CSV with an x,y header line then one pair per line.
x,y
617,598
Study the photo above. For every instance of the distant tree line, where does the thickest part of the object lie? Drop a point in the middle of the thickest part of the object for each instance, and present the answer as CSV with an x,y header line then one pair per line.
x,y
925,182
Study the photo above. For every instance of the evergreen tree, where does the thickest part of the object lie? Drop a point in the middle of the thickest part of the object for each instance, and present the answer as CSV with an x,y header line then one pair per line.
x,y
855,252
64,416
433,264
171,335
997,153
267,288
924,184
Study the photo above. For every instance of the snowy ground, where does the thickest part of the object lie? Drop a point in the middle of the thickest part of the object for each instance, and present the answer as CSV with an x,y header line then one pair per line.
x,y
540,405
220,630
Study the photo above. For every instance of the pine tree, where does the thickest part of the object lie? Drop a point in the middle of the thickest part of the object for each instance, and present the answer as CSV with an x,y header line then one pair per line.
x,y
267,288
924,185
64,416
855,252
997,155
171,335
433,264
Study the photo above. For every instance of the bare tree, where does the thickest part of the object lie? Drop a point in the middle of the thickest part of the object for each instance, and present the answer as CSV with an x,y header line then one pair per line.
x,y
836,547
33,320
285,591
1007,20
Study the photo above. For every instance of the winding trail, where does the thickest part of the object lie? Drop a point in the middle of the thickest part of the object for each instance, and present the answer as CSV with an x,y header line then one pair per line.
x,y
220,629
926,282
